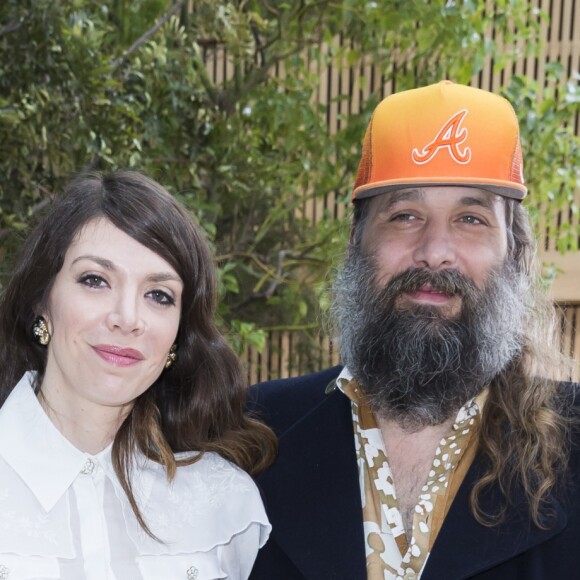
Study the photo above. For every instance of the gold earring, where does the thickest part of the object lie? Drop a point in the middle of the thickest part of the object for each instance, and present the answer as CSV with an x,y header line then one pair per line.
x,y
40,331
171,357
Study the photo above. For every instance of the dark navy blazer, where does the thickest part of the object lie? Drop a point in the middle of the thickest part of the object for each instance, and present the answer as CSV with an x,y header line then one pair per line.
x,y
312,497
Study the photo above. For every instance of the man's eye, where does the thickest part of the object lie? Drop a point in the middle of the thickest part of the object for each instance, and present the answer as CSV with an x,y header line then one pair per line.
x,y
471,219
161,297
402,217
92,281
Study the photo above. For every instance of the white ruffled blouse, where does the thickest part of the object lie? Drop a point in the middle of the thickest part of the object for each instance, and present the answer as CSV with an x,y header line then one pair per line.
x,y
63,513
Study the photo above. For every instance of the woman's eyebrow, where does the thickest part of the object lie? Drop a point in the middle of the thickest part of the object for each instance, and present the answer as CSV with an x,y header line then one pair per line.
x,y
110,266
107,264
164,277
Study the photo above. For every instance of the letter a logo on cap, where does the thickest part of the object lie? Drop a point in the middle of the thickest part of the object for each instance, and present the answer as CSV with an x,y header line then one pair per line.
x,y
449,137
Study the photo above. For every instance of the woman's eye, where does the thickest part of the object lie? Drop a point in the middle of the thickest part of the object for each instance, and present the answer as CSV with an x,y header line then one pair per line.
x,y
93,281
161,297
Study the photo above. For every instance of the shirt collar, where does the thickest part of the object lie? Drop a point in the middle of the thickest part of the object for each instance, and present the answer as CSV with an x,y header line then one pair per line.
x,y
345,375
30,443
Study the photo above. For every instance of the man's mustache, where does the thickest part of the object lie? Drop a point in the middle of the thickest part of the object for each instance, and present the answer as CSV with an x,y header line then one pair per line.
x,y
449,281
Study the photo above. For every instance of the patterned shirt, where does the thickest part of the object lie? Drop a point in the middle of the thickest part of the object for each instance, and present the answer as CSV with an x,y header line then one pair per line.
x,y
389,555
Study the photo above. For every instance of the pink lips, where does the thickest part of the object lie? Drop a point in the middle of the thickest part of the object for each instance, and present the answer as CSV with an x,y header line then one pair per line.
x,y
118,355
428,294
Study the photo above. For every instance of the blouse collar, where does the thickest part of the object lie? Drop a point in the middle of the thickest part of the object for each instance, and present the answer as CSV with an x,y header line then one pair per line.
x,y
47,462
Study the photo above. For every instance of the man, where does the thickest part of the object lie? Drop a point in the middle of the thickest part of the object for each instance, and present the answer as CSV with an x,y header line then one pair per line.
x,y
440,450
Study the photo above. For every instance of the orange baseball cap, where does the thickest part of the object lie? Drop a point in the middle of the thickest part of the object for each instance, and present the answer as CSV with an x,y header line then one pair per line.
x,y
442,134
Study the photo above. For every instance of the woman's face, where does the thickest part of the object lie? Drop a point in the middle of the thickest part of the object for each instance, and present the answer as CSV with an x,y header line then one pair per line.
x,y
113,313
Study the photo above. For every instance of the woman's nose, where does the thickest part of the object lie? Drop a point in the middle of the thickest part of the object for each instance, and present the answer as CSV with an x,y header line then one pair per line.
x,y
125,315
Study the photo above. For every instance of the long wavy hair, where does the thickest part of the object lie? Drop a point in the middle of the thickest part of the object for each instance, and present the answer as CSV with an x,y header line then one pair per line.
x,y
198,405
526,421
525,424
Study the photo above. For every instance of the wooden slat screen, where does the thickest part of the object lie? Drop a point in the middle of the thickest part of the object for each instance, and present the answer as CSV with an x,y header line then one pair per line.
x,y
288,354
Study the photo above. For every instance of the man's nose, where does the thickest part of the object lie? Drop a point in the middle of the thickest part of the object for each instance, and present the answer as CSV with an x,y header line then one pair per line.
x,y
436,247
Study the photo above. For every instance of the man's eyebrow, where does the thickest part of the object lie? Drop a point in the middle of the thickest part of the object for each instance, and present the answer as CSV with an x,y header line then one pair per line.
x,y
401,195
485,201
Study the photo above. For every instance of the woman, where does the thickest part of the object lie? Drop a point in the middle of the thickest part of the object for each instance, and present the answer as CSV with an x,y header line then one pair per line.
x,y
122,430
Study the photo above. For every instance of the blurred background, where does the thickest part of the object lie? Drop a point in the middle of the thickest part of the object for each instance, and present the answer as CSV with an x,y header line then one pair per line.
x,y
252,112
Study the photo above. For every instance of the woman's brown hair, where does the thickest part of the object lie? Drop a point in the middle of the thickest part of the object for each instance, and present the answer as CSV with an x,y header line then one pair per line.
x,y
197,405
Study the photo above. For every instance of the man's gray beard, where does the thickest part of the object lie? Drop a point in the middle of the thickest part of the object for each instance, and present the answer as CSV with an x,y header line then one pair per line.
x,y
417,366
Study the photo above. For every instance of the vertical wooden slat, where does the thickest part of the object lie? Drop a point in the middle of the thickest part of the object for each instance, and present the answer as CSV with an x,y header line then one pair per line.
x,y
325,352
565,314
264,374
333,87
575,353
554,34
209,60
218,72
253,362
575,50
285,354
539,67
569,316
274,339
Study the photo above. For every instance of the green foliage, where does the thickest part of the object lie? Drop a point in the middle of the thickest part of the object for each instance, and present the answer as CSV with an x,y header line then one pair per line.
x,y
100,84
551,148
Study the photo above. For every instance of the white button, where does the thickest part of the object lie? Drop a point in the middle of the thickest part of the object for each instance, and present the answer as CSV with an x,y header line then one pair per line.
x,y
192,573
4,572
88,467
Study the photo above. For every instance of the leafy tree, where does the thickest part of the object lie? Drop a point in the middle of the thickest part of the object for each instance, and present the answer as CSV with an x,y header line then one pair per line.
x,y
93,84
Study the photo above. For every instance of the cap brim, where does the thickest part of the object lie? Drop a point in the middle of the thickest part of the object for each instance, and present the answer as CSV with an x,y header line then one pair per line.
x,y
503,188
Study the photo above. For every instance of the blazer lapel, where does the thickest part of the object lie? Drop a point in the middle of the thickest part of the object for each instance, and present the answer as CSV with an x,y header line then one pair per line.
x,y
464,547
313,495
